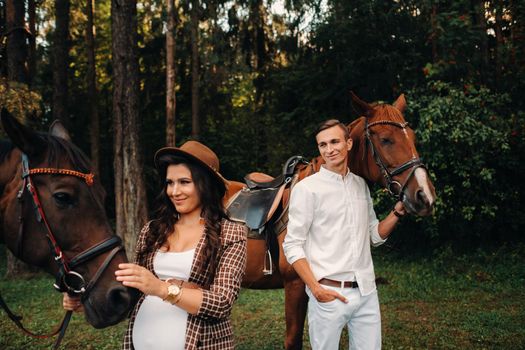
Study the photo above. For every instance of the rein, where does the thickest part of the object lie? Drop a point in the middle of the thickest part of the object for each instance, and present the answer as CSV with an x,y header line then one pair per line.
x,y
67,280
412,164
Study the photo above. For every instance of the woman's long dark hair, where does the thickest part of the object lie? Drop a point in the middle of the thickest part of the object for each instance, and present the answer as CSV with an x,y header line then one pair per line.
x,y
211,191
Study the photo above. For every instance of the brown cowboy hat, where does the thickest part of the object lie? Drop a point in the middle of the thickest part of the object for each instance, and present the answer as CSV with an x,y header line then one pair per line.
x,y
195,152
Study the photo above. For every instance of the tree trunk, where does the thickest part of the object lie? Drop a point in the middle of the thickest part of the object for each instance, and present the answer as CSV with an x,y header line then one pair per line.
x,y
130,193
16,42
260,55
171,81
498,64
91,77
3,63
31,15
17,72
195,118
517,34
434,34
513,33
61,61
479,10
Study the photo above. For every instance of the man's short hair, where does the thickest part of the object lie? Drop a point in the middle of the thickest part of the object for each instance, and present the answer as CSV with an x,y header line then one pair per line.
x,y
327,124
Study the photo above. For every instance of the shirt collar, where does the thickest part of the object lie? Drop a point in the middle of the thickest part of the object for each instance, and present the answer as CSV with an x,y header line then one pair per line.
x,y
333,175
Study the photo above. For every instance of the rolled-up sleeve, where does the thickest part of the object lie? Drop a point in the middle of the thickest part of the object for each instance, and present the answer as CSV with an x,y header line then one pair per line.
x,y
217,302
373,223
300,218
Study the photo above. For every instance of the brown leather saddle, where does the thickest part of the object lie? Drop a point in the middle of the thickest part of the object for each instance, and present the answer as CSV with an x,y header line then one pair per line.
x,y
263,205
256,203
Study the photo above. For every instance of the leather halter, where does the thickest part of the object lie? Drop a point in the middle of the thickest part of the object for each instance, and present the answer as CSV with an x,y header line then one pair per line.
x,y
412,164
66,280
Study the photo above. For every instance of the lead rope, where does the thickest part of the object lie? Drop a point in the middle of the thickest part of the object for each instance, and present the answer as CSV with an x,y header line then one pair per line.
x,y
60,329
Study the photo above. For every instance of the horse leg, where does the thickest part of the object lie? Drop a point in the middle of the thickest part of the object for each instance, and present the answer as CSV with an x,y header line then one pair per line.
x,y
295,301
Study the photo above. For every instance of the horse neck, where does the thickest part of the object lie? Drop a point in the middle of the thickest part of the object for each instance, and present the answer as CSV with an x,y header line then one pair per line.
x,y
315,166
360,157
10,182
9,166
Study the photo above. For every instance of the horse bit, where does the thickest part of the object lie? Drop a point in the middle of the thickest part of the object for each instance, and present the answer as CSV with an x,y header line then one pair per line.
x,y
413,163
67,280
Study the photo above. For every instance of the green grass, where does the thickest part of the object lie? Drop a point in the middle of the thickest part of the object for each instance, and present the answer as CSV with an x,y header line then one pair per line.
x,y
445,302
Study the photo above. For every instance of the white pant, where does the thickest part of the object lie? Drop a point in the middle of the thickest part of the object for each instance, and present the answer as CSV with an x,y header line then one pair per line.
x,y
361,315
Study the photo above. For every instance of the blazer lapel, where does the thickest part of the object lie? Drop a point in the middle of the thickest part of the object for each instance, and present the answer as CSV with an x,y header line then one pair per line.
x,y
195,276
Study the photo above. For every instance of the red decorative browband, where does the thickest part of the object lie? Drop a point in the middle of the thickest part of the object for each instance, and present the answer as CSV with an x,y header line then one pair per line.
x,y
89,178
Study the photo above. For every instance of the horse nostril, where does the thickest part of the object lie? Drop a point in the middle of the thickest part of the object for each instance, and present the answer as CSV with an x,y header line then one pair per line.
x,y
119,299
422,197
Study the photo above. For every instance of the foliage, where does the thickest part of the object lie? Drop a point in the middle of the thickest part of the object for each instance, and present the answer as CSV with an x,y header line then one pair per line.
x,y
18,99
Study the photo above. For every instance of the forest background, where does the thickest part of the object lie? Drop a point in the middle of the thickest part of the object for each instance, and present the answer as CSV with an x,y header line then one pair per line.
x,y
252,78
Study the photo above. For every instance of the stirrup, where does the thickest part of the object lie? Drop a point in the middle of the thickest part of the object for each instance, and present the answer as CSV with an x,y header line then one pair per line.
x,y
267,271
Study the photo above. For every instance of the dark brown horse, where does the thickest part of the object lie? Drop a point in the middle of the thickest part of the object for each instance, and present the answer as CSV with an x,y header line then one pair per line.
x,y
52,216
383,152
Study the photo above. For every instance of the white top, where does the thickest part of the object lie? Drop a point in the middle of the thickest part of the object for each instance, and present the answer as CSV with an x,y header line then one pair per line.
x,y
332,224
160,325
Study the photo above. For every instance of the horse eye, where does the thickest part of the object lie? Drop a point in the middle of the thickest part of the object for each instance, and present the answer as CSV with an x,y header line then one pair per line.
x,y
385,141
63,199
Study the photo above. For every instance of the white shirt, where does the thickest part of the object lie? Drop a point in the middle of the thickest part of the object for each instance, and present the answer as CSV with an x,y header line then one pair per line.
x,y
160,325
332,223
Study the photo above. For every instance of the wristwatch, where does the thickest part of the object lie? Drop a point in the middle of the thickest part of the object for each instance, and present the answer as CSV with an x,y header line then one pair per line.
x,y
174,294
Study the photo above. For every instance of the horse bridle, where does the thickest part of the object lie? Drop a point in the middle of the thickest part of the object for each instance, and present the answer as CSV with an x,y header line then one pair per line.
x,y
67,280
412,164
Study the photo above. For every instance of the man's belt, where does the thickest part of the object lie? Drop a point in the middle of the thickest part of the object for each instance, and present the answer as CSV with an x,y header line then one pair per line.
x,y
334,283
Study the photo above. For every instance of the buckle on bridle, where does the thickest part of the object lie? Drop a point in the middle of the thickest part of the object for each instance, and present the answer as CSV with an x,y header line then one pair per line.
x,y
392,186
71,282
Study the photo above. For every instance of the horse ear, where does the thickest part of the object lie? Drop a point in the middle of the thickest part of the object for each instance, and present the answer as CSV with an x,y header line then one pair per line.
x,y
57,129
28,141
401,103
360,106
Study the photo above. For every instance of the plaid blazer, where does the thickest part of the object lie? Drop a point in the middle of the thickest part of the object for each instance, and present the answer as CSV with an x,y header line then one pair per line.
x,y
211,328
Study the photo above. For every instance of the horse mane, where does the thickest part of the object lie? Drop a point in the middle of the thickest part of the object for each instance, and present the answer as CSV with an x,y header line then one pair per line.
x,y
5,148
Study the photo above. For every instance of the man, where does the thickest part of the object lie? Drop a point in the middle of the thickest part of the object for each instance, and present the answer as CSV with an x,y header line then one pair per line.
x,y
331,225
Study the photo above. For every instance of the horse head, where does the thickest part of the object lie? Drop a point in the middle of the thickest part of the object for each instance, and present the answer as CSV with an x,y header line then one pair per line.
x,y
52,216
384,151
